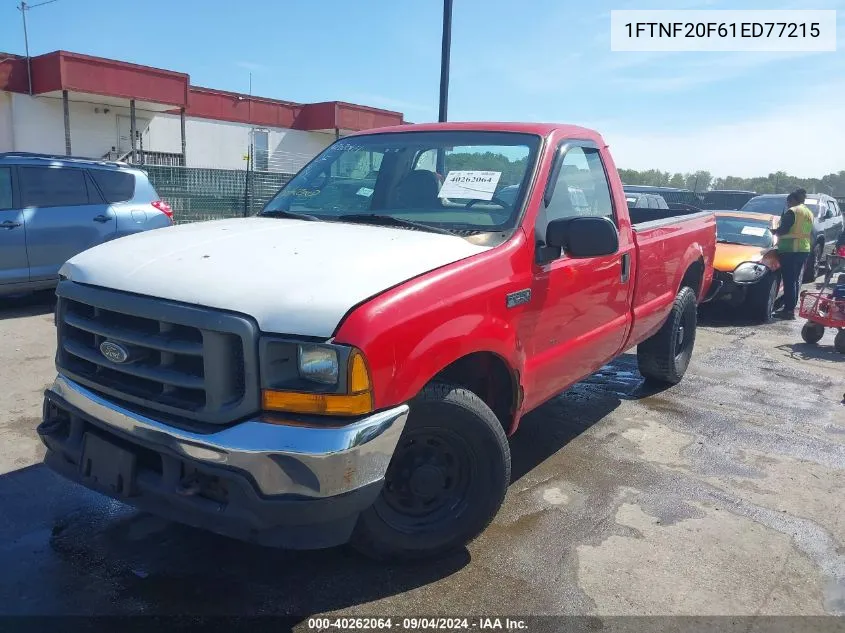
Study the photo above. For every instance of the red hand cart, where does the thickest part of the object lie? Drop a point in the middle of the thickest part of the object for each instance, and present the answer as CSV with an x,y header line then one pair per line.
x,y
823,310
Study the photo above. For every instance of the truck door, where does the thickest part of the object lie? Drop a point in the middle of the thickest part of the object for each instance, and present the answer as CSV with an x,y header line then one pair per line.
x,y
13,263
580,306
65,215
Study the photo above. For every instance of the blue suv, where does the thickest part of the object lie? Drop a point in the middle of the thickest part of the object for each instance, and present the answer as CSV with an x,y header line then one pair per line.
x,y
53,207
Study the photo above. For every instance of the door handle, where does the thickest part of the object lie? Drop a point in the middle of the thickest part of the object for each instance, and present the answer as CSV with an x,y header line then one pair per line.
x,y
101,218
10,224
626,268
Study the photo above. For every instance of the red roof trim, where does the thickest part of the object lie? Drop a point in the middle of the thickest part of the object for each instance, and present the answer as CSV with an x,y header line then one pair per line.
x,y
64,70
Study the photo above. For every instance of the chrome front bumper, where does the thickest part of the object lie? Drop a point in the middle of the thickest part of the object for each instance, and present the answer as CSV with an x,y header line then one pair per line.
x,y
306,461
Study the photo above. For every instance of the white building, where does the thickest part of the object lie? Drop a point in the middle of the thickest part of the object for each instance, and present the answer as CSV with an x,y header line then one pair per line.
x,y
71,104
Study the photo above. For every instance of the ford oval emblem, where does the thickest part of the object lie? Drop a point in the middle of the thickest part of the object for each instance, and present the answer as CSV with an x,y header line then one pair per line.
x,y
114,352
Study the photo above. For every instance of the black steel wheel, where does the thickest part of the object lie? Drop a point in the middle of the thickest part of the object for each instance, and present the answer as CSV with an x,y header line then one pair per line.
x,y
665,356
445,482
427,480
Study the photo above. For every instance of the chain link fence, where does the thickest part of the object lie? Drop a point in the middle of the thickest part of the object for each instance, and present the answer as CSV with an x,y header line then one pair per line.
x,y
196,194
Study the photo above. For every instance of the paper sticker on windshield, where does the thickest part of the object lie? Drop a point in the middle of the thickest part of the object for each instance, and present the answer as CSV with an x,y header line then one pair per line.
x,y
470,185
756,231
364,191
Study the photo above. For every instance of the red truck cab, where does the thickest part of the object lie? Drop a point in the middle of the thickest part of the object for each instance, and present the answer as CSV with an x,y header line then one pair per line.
x,y
417,290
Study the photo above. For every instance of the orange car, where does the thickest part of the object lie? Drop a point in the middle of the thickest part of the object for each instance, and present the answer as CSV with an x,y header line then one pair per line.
x,y
746,263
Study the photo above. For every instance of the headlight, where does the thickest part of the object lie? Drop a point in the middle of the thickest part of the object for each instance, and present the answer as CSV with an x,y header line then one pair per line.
x,y
318,363
321,379
749,272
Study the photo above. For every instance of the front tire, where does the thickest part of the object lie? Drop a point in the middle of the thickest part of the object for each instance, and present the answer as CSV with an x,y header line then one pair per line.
x,y
762,297
445,483
665,356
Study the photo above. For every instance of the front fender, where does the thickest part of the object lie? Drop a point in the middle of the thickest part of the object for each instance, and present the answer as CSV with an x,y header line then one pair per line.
x,y
447,343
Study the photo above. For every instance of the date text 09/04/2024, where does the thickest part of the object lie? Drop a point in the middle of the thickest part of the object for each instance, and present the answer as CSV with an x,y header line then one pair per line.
x,y
724,29
418,624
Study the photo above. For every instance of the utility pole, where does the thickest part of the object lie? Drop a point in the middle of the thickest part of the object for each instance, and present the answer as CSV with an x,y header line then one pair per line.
x,y
23,8
444,59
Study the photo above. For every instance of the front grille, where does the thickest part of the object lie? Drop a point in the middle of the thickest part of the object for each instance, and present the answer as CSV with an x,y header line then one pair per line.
x,y
188,362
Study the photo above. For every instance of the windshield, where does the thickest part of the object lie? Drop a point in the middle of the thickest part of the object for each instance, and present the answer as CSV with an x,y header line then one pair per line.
x,y
773,205
453,180
813,205
744,231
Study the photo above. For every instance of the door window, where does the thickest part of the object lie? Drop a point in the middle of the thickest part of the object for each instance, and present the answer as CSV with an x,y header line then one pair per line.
x,y
832,206
261,149
5,188
581,190
116,186
53,187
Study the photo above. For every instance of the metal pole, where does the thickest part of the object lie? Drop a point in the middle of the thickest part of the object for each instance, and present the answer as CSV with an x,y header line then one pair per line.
x,y
444,59
246,180
66,108
132,128
23,9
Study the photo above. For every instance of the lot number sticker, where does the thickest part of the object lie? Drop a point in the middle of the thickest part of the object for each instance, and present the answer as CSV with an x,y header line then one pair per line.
x,y
472,185
756,231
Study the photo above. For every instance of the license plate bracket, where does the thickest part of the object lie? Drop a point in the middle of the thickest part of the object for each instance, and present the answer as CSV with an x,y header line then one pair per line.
x,y
107,466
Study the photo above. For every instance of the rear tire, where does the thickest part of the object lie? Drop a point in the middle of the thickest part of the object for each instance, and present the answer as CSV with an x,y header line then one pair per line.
x,y
812,333
445,483
839,342
762,297
812,269
664,357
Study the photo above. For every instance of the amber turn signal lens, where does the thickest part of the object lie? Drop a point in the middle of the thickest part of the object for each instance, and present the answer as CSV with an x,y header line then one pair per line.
x,y
317,403
359,377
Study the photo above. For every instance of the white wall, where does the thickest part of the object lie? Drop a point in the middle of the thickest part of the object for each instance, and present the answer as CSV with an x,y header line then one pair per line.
x,y
223,144
6,139
36,124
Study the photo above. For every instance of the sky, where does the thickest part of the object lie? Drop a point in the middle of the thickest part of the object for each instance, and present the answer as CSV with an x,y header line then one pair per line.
x,y
741,114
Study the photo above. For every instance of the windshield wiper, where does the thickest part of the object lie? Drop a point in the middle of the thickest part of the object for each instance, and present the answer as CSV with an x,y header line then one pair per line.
x,y
733,242
289,215
389,220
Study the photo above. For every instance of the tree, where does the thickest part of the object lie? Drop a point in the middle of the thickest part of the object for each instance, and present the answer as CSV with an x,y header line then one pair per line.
x,y
677,181
777,182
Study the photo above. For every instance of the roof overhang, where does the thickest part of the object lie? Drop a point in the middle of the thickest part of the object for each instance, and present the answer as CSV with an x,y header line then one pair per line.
x,y
330,116
56,72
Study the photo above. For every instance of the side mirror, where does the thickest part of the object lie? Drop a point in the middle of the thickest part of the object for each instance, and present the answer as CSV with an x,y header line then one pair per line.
x,y
584,236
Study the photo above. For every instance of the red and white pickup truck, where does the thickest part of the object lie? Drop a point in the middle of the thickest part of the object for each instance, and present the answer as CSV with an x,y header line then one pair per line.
x,y
348,365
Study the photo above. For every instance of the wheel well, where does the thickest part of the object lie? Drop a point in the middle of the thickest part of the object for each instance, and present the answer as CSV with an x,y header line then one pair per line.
x,y
694,276
490,378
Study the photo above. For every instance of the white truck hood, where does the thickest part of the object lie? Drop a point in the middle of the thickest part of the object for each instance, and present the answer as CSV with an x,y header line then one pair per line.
x,y
291,276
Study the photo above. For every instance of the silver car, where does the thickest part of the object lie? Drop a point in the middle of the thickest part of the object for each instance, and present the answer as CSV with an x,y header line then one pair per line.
x,y
53,207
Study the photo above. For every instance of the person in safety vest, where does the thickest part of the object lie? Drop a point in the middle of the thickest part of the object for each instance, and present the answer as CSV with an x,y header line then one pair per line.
x,y
795,240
